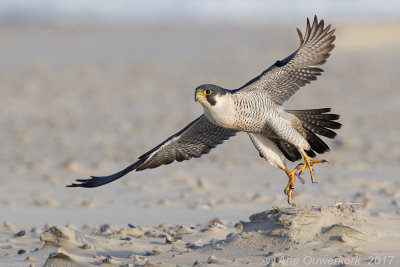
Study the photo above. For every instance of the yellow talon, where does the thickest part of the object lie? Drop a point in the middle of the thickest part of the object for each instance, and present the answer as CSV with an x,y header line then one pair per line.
x,y
291,175
308,162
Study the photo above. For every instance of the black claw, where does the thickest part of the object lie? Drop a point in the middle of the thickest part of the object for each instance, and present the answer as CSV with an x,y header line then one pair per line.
x,y
325,161
286,192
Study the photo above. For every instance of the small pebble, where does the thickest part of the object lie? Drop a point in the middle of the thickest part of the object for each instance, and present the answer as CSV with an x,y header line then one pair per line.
x,y
7,225
21,251
29,258
149,264
183,230
170,240
20,233
85,246
104,228
212,259
61,250
230,235
106,260
239,226
241,261
156,250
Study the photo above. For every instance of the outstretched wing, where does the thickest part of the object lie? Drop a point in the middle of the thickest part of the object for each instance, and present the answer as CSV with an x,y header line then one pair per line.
x,y
197,138
285,77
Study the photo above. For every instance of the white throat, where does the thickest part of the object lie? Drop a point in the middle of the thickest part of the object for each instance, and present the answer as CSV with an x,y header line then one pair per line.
x,y
222,113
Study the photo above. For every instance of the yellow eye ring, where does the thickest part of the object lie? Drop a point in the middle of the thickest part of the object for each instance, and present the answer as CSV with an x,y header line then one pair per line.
x,y
207,92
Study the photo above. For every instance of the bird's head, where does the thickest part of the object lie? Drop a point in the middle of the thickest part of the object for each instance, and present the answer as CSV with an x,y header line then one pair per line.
x,y
208,94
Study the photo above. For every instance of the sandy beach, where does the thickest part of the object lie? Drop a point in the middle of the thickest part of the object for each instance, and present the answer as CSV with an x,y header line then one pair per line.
x,y
81,100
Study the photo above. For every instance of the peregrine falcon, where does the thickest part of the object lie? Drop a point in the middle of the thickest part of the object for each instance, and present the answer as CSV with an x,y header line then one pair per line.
x,y
255,108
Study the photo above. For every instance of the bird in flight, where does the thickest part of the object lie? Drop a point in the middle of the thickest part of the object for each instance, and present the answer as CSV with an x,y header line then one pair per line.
x,y
256,109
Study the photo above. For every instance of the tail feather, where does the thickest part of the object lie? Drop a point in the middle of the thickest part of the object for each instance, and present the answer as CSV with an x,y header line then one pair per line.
x,y
316,143
317,111
317,121
329,123
319,130
290,151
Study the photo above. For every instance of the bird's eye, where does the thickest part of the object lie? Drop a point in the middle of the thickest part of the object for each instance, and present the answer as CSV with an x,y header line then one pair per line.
x,y
207,92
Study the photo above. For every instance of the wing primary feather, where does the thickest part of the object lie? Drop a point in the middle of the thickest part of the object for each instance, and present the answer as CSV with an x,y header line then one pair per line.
x,y
285,77
96,181
196,139
300,36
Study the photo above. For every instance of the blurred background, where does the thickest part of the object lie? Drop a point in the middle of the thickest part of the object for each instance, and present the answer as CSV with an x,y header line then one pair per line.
x,y
88,86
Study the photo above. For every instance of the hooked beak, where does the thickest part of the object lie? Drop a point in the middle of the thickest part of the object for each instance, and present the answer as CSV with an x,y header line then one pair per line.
x,y
199,96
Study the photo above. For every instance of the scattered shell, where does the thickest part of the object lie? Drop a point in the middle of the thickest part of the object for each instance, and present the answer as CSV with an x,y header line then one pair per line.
x,y
214,221
61,250
239,226
104,228
213,260
184,230
7,225
35,230
22,251
142,236
110,260
170,240
149,264
20,233
155,251
230,235
150,234
241,261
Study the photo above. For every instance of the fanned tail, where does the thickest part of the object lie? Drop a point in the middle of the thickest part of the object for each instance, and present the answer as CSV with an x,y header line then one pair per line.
x,y
315,122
